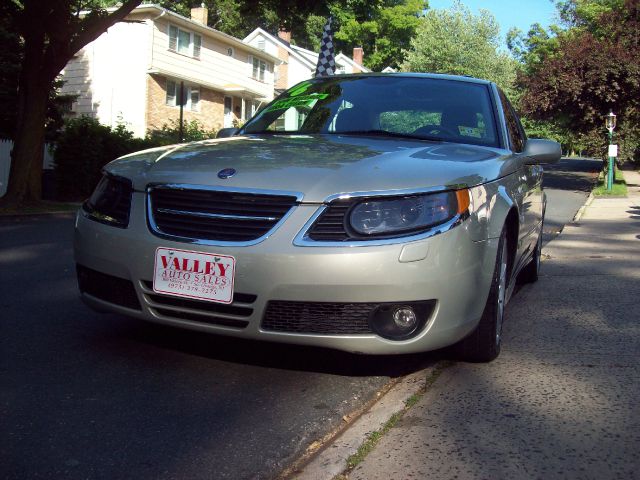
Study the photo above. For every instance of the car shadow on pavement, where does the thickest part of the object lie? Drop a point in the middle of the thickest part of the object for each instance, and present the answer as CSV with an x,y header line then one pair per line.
x,y
269,354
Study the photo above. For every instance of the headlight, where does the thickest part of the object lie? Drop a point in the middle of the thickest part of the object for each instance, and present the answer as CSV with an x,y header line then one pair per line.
x,y
110,202
384,216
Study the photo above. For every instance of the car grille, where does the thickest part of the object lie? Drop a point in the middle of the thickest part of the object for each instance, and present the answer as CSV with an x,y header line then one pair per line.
x,y
234,315
108,288
213,215
318,317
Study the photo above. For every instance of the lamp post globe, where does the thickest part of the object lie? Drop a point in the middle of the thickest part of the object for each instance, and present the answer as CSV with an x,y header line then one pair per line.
x,y
610,122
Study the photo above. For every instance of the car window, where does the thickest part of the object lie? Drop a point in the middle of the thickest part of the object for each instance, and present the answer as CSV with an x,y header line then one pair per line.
x,y
420,107
517,138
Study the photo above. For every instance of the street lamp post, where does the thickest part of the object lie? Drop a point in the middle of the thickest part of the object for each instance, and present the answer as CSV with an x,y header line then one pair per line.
x,y
610,122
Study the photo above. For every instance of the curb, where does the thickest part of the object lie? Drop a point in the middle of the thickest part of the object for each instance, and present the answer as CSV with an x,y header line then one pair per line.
x,y
582,209
13,215
331,460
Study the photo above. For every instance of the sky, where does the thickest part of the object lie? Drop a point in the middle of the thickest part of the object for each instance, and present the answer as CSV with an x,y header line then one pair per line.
x,y
510,13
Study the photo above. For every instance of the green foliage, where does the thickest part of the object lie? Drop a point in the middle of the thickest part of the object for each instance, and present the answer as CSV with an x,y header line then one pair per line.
x,y
82,149
10,58
170,133
585,13
590,69
384,28
454,41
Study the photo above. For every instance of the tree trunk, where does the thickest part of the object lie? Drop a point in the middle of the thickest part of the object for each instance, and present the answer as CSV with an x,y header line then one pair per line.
x,y
51,37
25,177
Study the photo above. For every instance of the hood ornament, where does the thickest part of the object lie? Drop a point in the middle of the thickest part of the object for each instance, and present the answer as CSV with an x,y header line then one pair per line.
x,y
226,173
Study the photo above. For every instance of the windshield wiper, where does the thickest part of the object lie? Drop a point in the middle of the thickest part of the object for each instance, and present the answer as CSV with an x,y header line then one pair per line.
x,y
386,133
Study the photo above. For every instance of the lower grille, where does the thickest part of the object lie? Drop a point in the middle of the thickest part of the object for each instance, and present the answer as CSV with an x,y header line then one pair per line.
x,y
319,317
107,287
233,315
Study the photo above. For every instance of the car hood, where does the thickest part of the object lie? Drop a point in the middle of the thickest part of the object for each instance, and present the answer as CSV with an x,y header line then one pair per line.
x,y
317,166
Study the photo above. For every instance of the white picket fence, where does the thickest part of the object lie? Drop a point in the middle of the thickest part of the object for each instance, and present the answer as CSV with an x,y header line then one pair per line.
x,y
5,163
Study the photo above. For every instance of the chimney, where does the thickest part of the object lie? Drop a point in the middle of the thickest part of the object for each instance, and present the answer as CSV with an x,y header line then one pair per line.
x,y
200,14
285,35
358,54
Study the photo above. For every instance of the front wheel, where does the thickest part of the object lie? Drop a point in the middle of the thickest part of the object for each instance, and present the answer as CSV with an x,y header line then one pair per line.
x,y
530,273
483,344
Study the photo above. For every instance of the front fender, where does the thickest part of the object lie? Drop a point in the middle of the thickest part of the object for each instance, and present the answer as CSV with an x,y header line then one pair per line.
x,y
490,205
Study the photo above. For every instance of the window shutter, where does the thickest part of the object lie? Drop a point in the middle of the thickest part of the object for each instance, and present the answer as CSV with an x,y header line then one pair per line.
x,y
197,45
173,38
250,66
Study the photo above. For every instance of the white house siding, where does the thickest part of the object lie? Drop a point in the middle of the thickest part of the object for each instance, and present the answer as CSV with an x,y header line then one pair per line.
x,y
214,68
298,71
110,76
269,45
77,81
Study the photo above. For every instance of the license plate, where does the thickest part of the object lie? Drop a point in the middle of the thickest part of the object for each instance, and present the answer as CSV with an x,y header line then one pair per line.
x,y
185,273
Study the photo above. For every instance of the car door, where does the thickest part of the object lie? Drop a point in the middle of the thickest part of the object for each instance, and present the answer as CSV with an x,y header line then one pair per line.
x,y
529,182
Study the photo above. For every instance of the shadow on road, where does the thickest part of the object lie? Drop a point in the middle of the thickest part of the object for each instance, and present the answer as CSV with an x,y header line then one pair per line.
x,y
264,354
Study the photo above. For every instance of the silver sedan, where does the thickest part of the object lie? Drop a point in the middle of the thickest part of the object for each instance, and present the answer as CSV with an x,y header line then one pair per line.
x,y
375,213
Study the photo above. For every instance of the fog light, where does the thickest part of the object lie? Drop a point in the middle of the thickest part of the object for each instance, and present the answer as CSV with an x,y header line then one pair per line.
x,y
405,318
401,321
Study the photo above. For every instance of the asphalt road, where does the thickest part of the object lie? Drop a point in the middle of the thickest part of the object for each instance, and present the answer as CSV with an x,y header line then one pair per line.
x,y
92,396
567,185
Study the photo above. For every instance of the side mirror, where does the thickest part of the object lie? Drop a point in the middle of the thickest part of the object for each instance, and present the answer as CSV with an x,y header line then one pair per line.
x,y
542,151
227,132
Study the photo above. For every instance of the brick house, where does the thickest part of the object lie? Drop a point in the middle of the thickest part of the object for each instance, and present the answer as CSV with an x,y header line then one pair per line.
x,y
133,73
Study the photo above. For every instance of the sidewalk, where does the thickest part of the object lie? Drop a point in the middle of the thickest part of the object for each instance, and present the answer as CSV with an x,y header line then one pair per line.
x,y
563,398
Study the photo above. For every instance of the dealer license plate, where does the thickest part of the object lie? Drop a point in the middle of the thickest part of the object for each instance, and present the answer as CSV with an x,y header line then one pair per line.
x,y
185,273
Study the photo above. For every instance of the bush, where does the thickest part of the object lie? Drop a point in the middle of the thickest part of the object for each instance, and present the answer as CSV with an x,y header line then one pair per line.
x,y
169,133
85,146
82,149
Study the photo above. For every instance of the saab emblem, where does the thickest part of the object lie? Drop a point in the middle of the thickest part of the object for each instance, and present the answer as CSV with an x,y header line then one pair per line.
x,y
226,173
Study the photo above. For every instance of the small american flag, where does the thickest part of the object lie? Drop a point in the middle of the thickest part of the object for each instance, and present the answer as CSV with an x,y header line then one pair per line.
x,y
326,60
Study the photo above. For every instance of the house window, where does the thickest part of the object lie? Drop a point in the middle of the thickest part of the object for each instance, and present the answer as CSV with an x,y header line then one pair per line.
x,y
194,98
259,69
191,99
184,42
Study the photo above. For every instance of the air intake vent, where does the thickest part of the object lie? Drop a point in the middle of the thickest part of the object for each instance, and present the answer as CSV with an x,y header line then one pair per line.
x,y
319,317
213,215
329,227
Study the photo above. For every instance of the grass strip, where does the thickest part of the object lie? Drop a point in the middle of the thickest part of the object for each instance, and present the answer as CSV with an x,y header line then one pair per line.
x,y
618,189
374,437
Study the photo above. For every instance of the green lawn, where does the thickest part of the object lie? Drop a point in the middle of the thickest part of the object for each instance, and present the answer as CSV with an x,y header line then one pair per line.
x,y
619,188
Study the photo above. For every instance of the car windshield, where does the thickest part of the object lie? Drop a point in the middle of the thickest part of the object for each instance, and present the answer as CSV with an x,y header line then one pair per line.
x,y
400,106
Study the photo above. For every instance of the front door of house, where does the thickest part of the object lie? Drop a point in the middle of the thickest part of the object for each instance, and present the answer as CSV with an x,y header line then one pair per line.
x,y
228,112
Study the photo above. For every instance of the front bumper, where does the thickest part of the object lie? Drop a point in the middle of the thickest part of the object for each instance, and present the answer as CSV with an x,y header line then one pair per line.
x,y
448,268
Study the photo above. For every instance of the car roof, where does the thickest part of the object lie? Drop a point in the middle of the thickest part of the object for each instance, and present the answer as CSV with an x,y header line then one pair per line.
x,y
440,76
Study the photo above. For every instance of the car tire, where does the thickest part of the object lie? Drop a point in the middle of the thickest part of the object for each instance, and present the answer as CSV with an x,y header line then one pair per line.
x,y
483,344
529,274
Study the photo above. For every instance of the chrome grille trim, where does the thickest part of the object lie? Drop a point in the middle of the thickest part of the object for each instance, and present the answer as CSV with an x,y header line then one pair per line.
x,y
242,219
214,215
